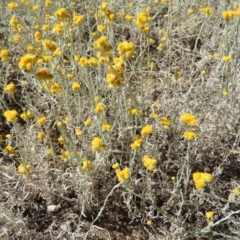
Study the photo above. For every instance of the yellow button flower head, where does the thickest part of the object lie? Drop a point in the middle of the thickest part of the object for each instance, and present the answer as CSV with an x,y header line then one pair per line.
x,y
227,58
88,122
12,6
49,45
10,88
4,55
137,143
97,144
102,45
99,108
10,115
115,165
41,120
165,122
78,132
9,149
189,135
126,49
55,89
76,86
149,163
25,170
229,14
188,119
106,127
77,19
43,74
207,10
146,130
41,136
133,111
123,174
65,156
86,165
209,214
201,179
27,61
62,14
149,222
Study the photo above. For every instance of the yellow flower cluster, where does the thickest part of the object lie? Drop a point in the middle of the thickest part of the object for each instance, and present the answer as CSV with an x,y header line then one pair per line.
x,y
12,6
99,108
86,165
207,10
26,115
49,45
137,143
43,74
14,23
10,88
62,14
115,73
143,21
65,155
229,14
126,49
9,150
149,163
10,115
97,144
4,55
77,19
190,135
188,119
121,174
27,61
165,122
104,11
201,179
146,130
25,170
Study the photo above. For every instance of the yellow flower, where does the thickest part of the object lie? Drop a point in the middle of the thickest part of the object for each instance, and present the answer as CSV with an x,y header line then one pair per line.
x,y
61,139
10,88
99,108
115,165
65,156
126,49
207,10
188,119
149,163
9,149
43,74
97,144
78,132
16,38
146,130
236,191
88,122
69,76
133,111
55,88
137,143
190,11
149,222
106,127
165,122
189,135
201,179
227,15
101,28
86,165
76,86
225,93
41,136
49,45
4,55
27,61
10,115
61,14
25,170
12,6
227,58
123,174
41,120
209,214
77,19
